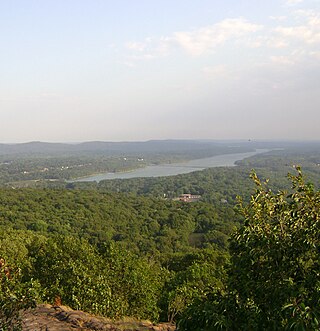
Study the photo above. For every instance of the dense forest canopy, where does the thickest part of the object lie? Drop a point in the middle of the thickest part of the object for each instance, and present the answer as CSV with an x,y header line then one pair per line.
x,y
128,248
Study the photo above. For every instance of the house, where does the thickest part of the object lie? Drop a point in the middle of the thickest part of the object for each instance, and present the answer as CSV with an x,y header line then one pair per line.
x,y
188,197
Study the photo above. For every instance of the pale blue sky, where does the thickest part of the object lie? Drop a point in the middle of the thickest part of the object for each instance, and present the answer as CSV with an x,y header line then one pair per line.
x,y
76,70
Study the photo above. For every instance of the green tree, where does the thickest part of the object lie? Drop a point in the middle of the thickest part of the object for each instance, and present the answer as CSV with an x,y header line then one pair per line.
x,y
193,275
135,283
274,278
70,269
275,256
14,296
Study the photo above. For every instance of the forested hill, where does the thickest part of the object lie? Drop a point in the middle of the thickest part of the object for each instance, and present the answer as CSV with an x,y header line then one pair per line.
x,y
151,146
116,148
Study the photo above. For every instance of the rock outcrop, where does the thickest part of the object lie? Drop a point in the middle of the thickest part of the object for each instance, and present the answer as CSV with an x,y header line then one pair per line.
x,y
61,318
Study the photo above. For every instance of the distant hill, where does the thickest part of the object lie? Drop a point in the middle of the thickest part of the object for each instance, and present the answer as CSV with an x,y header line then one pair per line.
x,y
213,147
151,146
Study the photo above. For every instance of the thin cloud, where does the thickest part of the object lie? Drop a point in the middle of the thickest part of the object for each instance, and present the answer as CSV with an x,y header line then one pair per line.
x,y
206,39
289,42
309,32
136,46
148,49
278,18
282,60
218,70
195,42
267,41
293,2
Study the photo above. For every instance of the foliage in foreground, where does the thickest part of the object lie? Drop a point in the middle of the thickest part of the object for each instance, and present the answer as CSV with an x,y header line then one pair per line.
x,y
274,277
14,296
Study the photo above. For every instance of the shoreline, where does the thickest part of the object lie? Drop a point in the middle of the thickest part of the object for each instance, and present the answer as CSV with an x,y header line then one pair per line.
x,y
183,166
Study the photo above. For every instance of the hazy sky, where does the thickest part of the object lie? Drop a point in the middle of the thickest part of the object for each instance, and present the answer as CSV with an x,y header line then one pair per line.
x,y
76,70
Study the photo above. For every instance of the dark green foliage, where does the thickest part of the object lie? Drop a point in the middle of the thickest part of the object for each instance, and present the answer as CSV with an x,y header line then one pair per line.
x,y
274,276
15,292
112,282
275,256
109,253
14,296
216,185
135,283
68,268
146,226
192,276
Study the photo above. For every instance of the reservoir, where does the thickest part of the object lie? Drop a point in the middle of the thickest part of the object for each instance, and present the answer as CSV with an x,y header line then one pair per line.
x,y
224,160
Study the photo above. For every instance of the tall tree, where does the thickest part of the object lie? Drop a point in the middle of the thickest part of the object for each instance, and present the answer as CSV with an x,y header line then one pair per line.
x,y
274,277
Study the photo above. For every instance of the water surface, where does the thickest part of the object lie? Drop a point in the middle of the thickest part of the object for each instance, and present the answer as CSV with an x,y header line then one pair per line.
x,y
224,160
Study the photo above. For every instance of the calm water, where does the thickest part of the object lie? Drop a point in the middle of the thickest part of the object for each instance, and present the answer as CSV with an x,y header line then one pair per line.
x,y
225,160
